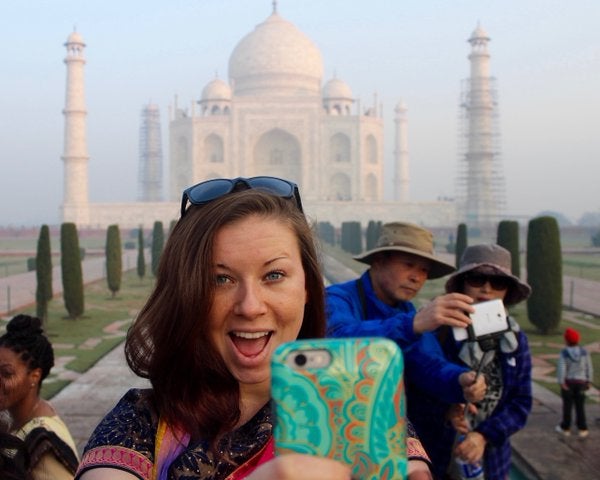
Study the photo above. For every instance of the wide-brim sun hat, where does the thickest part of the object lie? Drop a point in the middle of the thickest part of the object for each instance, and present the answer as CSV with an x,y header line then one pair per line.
x,y
408,238
489,259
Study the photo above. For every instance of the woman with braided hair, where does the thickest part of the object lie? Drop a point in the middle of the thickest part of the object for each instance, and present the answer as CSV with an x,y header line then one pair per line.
x,y
26,357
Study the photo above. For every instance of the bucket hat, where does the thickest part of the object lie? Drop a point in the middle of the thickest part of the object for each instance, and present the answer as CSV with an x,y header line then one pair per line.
x,y
408,238
490,259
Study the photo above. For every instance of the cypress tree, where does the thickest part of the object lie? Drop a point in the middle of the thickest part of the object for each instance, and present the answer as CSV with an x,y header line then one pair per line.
x,y
544,274
508,237
158,240
141,258
373,228
114,266
43,261
461,242
72,277
351,237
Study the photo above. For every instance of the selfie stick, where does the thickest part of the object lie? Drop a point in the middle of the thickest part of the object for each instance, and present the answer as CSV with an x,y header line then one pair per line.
x,y
477,373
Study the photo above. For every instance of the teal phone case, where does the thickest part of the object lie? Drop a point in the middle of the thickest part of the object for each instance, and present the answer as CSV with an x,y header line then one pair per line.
x,y
351,409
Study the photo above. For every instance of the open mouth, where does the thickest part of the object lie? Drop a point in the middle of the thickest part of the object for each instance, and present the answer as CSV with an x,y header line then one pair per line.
x,y
250,344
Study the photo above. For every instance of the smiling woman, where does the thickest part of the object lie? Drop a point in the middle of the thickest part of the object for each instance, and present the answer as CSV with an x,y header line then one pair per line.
x,y
239,275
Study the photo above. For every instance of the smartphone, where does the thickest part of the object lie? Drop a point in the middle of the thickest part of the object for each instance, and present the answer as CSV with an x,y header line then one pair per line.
x,y
489,318
343,399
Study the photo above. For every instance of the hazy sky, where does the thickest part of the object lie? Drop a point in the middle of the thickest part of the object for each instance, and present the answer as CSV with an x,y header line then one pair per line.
x,y
545,55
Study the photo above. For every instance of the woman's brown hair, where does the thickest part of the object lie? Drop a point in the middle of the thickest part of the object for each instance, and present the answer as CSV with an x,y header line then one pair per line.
x,y
167,342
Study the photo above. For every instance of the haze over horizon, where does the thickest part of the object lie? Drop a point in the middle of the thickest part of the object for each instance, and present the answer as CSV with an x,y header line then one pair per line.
x,y
545,55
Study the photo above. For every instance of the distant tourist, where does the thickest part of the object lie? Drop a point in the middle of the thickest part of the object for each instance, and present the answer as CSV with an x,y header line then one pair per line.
x,y
26,357
574,373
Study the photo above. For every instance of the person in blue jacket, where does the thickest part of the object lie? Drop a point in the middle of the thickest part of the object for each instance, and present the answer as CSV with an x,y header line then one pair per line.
x,y
378,304
481,434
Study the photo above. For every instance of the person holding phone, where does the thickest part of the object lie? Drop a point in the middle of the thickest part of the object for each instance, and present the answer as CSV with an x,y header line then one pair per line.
x,y
503,358
239,276
378,303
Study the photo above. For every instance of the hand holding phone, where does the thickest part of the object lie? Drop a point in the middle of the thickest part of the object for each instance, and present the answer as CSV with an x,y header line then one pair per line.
x,y
489,318
342,399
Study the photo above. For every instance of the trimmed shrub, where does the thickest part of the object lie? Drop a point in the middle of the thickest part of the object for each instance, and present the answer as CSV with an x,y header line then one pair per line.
x,y
326,232
43,271
373,231
461,242
72,277
508,237
141,259
31,266
544,274
114,262
158,241
351,237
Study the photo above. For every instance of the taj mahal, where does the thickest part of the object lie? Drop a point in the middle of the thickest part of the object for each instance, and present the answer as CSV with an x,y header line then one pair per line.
x,y
274,115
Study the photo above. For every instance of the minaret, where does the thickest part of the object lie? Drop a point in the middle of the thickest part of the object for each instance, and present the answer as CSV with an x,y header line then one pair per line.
x,y
401,180
484,193
150,168
75,206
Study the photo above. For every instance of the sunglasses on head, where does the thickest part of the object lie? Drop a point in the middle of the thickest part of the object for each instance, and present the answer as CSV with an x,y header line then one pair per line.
x,y
205,192
497,282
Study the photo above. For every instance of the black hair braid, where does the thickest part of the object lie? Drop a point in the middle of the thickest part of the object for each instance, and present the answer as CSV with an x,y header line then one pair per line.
x,y
25,336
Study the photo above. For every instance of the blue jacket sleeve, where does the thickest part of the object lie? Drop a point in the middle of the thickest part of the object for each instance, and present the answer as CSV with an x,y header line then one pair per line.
x,y
428,369
344,319
510,415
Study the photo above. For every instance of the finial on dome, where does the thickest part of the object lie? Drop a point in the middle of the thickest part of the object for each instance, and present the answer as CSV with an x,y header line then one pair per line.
x,y
274,6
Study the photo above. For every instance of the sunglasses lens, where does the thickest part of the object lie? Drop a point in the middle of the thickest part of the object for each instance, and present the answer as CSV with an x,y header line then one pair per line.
x,y
273,185
209,190
499,283
496,282
476,280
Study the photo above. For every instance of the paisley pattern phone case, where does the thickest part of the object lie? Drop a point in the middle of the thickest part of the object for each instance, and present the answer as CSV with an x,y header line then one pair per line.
x,y
344,399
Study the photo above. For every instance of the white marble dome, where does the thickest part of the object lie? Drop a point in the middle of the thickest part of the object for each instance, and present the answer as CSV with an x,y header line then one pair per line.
x,y
338,89
479,33
276,59
216,89
75,38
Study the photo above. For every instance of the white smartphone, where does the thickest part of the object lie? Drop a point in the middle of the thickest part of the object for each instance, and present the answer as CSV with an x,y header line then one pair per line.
x,y
489,318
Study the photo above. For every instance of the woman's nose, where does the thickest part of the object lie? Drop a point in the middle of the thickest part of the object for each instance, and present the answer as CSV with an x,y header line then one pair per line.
x,y
249,301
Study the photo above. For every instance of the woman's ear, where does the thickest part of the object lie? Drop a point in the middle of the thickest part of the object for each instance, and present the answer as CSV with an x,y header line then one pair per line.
x,y
35,376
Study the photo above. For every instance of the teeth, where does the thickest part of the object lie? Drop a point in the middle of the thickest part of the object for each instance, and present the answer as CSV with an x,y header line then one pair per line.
x,y
250,335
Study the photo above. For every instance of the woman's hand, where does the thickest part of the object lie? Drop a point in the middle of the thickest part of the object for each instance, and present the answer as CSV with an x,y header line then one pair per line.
x,y
471,448
297,466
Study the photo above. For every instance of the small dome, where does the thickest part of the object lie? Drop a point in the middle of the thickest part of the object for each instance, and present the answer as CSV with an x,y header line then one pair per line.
x,y
216,89
338,89
75,38
276,58
479,34
400,107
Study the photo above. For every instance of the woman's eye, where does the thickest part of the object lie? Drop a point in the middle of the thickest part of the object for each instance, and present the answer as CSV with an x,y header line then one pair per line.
x,y
222,279
274,276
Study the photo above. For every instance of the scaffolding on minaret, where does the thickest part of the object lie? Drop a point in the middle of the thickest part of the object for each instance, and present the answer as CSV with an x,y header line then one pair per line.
x,y
150,174
481,190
